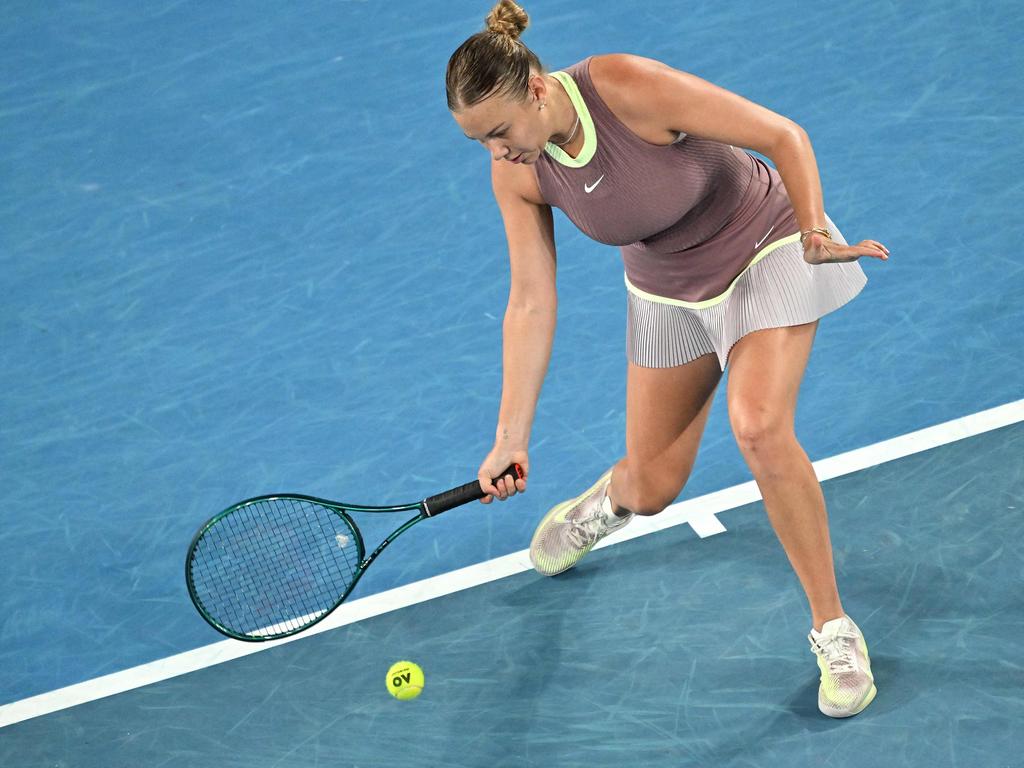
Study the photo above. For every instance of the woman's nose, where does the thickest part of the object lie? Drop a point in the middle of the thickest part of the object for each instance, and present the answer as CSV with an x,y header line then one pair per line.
x,y
497,149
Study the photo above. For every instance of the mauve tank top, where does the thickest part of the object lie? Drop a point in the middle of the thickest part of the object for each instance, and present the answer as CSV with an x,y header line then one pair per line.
x,y
689,217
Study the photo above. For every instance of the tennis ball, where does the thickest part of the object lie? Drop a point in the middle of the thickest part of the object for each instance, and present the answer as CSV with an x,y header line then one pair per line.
x,y
405,680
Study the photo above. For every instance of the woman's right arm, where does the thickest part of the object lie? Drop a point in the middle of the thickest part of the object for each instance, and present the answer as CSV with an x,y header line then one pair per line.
x,y
530,316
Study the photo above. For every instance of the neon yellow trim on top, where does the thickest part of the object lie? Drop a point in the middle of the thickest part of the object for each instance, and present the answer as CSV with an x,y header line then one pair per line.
x,y
586,125
795,238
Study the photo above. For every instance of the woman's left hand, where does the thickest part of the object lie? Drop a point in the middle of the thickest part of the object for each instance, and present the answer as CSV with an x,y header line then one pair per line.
x,y
820,250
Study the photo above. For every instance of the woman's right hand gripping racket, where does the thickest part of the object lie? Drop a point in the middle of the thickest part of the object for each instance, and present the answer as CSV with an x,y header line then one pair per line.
x,y
272,566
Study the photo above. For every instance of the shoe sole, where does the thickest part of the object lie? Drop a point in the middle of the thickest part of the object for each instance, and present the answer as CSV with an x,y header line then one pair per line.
x,y
555,510
839,714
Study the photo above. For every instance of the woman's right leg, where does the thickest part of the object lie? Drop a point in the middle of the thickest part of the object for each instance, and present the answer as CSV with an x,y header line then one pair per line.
x,y
666,410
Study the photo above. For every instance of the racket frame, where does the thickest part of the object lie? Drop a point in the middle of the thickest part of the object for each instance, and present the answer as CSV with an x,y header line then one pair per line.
x,y
429,507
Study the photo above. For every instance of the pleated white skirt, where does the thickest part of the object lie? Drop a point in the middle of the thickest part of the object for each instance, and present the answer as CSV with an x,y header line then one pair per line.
x,y
778,290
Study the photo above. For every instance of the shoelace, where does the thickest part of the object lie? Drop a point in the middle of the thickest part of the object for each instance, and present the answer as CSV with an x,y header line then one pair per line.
x,y
585,532
838,655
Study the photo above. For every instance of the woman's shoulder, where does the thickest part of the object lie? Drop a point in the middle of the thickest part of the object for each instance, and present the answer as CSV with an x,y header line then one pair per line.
x,y
620,74
629,85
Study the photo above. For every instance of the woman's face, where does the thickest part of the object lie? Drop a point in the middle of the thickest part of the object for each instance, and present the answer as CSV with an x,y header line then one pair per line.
x,y
511,129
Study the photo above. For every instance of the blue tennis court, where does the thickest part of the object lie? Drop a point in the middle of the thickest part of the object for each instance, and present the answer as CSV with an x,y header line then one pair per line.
x,y
245,249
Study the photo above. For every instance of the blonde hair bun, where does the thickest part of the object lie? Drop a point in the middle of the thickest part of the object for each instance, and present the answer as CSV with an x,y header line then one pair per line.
x,y
507,18
492,62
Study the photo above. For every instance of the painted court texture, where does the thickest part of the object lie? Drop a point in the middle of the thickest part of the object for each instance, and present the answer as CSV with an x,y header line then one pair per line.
x,y
245,249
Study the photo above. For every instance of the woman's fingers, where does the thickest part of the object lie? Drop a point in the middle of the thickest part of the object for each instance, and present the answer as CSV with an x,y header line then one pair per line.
x,y
495,490
503,491
510,486
828,252
487,485
872,251
875,243
506,485
876,249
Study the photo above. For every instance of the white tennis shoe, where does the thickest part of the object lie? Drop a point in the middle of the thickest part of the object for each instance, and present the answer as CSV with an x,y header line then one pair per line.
x,y
847,685
571,529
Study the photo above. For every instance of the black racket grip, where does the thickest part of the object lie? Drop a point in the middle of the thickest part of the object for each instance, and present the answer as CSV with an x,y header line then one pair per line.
x,y
464,494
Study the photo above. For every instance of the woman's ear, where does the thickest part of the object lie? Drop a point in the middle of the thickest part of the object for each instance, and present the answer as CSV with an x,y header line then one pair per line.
x,y
538,89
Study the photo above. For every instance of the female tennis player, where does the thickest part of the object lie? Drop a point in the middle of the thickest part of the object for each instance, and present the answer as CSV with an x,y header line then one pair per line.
x,y
727,260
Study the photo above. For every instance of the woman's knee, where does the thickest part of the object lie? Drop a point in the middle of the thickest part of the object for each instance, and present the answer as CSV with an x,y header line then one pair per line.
x,y
646,492
760,431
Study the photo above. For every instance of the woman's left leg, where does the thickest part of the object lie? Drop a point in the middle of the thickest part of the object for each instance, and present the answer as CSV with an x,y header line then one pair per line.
x,y
765,370
764,378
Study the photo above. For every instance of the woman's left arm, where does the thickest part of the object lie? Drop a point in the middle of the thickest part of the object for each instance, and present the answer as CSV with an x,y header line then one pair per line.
x,y
666,101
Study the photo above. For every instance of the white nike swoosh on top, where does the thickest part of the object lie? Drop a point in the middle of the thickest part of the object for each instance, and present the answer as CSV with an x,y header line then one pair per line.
x,y
588,188
758,243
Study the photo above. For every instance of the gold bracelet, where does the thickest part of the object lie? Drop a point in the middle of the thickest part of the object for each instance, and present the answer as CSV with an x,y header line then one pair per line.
x,y
819,230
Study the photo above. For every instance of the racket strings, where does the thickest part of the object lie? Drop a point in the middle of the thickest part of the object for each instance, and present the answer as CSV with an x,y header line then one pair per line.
x,y
273,566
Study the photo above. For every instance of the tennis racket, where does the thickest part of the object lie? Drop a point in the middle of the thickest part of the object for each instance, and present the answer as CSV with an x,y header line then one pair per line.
x,y
273,566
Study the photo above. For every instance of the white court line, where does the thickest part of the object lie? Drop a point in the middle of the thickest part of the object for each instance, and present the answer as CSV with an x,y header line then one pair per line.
x,y
700,513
